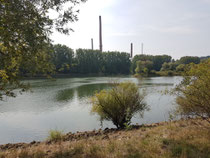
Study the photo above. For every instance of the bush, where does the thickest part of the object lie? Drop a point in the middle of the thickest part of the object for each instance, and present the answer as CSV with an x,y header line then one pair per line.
x,y
55,135
119,103
180,67
194,91
144,67
170,73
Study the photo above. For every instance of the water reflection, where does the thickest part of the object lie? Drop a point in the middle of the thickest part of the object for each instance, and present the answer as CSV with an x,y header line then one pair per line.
x,y
62,104
83,91
89,90
143,85
65,95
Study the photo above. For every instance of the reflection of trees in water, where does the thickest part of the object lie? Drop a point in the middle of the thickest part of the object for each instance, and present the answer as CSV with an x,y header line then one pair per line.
x,y
81,91
155,84
147,82
89,90
65,95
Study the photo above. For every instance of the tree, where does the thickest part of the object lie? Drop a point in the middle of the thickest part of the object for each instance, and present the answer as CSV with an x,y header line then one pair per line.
x,y
180,68
62,58
116,62
157,60
139,58
194,91
25,27
144,67
119,104
188,60
169,66
94,61
88,61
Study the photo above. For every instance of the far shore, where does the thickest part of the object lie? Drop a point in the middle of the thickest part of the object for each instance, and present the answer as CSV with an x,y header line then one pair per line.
x,y
56,76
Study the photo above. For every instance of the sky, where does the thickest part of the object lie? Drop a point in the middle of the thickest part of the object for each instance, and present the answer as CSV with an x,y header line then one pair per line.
x,y
173,27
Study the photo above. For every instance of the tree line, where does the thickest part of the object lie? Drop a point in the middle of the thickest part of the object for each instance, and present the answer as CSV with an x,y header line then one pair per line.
x,y
161,65
86,61
65,60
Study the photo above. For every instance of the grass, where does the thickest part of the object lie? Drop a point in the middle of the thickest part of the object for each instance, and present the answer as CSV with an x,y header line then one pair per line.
x,y
71,152
24,154
55,135
185,149
182,139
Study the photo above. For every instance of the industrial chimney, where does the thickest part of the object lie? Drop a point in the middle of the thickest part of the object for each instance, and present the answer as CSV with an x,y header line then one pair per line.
x,y
92,43
100,35
131,50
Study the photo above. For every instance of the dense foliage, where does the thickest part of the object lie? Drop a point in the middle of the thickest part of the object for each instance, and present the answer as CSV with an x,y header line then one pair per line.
x,y
144,67
62,58
189,59
119,104
169,66
161,65
157,60
194,91
25,27
86,61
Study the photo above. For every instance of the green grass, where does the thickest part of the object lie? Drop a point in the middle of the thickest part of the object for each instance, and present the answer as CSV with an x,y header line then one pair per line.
x,y
55,135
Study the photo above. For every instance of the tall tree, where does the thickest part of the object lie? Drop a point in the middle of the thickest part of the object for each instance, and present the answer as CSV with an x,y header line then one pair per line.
x,y
189,59
157,60
25,27
116,62
144,67
62,58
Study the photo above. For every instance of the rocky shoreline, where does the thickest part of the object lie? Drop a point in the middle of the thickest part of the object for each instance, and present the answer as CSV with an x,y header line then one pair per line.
x,y
78,136
188,137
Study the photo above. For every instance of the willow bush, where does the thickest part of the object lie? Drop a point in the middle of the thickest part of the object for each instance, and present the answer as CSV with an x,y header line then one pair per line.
x,y
194,91
119,104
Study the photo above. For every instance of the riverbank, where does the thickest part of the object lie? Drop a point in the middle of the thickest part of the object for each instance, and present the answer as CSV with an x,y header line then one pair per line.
x,y
75,75
183,138
72,75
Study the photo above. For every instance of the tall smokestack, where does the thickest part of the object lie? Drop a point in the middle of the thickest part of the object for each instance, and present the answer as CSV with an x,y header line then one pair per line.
x,y
131,50
100,35
92,43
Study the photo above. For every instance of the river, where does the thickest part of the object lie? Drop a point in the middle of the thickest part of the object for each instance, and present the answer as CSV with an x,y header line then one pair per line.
x,y
64,104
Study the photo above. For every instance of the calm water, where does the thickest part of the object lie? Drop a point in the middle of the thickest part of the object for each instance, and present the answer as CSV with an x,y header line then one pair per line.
x,y
64,105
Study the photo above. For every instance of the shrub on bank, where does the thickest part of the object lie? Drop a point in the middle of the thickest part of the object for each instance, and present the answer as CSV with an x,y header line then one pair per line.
x,y
119,104
193,93
55,135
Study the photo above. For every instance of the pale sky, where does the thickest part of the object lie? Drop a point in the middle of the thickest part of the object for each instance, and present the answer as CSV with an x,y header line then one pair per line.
x,y
174,27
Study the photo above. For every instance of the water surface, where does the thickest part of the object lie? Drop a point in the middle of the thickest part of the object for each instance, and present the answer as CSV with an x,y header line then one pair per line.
x,y
64,104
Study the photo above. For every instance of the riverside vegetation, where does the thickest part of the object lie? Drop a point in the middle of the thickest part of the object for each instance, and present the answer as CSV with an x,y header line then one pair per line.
x,y
185,138
119,104
26,49
62,60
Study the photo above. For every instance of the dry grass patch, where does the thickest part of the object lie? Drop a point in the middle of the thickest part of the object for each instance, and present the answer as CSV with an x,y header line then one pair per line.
x,y
182,139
